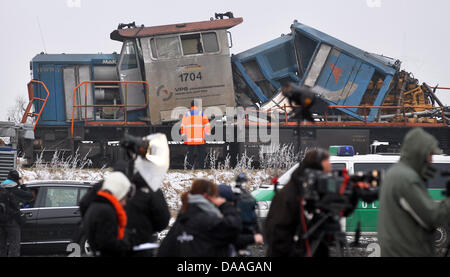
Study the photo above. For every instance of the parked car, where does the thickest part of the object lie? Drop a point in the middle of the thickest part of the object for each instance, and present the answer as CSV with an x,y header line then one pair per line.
x,y
53,217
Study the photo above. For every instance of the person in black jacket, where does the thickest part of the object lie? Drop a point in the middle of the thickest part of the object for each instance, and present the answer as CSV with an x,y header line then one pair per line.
x,y
248,236
206,226
283,220
105,219
147,214
10,230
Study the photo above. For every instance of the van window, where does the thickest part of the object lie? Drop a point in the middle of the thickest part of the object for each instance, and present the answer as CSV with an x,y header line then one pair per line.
x,y
192,44
439,182
366,167
210,42
168,48
338,166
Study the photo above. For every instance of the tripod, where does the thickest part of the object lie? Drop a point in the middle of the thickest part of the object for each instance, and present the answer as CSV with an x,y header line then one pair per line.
x,y
327,226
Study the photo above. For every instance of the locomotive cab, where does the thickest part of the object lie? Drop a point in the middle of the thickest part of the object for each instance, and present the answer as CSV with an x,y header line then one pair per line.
x,y
180,62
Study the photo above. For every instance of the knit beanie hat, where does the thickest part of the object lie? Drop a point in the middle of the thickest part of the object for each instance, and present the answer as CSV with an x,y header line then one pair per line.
x,y
226,192
13,175
118,184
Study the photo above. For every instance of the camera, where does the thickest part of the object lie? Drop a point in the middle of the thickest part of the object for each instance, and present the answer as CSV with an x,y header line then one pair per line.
x,y
304,101
339,192
149,156
135,146
329,197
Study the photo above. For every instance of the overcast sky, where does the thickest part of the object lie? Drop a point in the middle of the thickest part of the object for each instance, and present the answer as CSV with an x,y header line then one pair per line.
x,y
414,31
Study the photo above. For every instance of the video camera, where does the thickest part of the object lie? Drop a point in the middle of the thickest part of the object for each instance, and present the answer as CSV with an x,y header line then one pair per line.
x,y
304,101
149,156
329,197
339,192
135,146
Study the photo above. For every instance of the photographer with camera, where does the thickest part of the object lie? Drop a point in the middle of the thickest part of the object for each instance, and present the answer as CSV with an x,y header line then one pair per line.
x,y
408,216
12,195
147,211
147,214
284,219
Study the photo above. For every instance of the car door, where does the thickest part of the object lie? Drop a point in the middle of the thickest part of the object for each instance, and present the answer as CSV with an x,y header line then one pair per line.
x,y
28,230
59,215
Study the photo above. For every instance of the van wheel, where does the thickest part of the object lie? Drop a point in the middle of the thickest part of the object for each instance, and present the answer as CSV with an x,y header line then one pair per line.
x,y
441,237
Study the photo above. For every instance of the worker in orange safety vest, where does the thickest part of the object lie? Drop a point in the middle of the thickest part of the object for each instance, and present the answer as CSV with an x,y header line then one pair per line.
x,y
195,127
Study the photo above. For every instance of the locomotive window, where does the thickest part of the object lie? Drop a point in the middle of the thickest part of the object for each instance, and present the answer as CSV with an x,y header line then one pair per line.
x,y
305,48
153,48
168,47
192,44
129,59
254,71
210,42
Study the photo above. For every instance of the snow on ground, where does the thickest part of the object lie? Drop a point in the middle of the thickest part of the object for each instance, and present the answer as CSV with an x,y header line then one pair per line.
x,y
174,184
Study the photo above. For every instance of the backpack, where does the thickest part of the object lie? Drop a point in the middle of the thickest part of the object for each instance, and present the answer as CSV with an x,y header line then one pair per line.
x,y
7,205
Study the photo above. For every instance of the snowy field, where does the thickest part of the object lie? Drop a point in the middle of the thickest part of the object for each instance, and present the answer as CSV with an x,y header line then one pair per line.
x,y
174,184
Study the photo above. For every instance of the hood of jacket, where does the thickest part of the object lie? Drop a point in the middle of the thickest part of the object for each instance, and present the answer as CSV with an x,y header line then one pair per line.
x,y
416,148
203,204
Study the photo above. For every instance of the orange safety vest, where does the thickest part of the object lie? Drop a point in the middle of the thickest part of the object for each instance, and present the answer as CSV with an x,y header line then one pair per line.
x,y
195,126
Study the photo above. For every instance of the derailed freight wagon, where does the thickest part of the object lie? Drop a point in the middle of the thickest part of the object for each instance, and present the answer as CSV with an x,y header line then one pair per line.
x,y
87,101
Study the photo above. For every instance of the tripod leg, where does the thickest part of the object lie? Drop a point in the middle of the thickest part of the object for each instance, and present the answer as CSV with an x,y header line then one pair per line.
x,y
338,249
341,245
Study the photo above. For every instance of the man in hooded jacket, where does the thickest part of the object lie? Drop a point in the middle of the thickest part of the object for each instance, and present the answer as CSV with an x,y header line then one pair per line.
x,y
408,216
